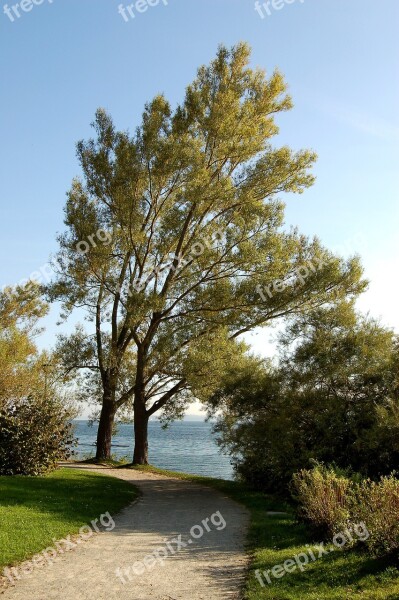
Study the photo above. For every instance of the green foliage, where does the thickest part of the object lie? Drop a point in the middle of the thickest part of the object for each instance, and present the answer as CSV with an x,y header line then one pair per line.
x,y
34,436
333,397
20,310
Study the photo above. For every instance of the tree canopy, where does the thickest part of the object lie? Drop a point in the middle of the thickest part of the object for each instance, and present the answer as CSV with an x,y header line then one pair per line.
x,y
175,243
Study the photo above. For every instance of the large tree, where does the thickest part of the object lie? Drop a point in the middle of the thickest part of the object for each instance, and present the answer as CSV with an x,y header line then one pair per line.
x,y
175,244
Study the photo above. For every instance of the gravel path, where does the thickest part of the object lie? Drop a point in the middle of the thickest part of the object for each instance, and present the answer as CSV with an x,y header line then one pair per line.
x,y
207,567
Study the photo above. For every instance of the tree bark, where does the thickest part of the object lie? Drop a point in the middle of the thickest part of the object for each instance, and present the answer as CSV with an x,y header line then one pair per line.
x,y
141,418
104,433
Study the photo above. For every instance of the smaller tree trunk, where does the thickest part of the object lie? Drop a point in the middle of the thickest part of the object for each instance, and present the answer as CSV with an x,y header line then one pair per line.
x,y
104,433
140,456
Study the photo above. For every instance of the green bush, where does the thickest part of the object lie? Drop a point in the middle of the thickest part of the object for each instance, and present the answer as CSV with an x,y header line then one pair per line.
x,y
377,505
34,436
332,397
324,498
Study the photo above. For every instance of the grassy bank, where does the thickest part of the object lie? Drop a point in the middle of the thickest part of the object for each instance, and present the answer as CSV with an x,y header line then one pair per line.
x,y
273,539
34,510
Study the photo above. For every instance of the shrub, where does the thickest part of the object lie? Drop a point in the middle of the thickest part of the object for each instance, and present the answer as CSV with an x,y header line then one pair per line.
x,y
34,436
324,498
377,504
331,502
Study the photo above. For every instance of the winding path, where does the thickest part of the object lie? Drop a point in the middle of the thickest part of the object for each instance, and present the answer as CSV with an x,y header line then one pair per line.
x,y
207,567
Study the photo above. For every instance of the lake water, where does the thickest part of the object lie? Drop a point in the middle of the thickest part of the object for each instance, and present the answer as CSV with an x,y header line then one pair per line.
x,y
187,446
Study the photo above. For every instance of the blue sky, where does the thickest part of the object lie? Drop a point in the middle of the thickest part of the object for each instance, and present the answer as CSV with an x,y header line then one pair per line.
x,y
63,59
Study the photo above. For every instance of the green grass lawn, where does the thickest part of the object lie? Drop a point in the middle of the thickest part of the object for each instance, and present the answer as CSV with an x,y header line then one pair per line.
x,y
34,510
342,575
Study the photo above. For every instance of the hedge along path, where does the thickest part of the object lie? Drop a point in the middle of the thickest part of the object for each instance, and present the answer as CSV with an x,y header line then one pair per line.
x,y
158,552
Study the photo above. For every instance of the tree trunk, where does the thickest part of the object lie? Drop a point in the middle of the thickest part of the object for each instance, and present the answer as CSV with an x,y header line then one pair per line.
x,y
104,434
140,456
